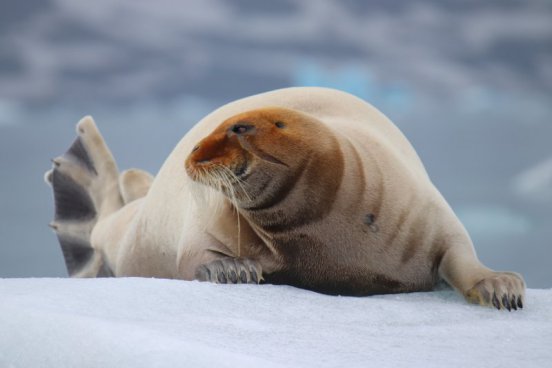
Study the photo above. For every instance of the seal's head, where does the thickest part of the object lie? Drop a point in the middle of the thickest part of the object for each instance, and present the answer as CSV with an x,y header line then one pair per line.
x,y
257,157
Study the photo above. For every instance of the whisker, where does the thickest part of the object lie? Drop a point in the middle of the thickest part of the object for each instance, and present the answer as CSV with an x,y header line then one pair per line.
x,y
213,182
238,181
227,175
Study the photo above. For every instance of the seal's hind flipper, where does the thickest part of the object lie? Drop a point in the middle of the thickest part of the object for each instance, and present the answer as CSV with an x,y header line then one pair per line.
x,y
85,185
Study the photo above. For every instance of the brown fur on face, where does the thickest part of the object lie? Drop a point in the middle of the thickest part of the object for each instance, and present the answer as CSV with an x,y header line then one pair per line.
x,y
262,152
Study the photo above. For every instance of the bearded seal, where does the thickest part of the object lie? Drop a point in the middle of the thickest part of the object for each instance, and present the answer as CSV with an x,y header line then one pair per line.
x,y
309,187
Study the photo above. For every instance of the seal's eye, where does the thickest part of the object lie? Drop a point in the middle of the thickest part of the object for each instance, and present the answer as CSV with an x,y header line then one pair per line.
x,y
241,128
280,124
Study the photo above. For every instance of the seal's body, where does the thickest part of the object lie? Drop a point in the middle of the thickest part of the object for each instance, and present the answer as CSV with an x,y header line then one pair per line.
x,y
304,186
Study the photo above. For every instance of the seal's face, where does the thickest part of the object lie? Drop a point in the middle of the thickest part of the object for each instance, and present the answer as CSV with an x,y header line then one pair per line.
x,y
253,154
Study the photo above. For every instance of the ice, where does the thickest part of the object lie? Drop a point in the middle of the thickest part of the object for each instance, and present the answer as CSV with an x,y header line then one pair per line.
x,y
137,322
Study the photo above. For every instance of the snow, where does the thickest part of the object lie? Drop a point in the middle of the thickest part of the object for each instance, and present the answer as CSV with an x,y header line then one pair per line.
x,y
131,322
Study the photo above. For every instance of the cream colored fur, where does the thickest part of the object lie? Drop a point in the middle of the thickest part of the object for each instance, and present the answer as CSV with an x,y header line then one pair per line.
x,y
162,231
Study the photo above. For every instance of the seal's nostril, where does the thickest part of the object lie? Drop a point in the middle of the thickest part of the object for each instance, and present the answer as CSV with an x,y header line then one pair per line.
x,y
195,148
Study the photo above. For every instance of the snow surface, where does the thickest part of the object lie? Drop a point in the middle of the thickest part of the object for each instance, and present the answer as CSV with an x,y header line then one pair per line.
x,y
167,323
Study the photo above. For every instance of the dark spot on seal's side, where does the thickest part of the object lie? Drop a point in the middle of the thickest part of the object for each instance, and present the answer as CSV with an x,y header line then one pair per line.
x,y
280,124
370,220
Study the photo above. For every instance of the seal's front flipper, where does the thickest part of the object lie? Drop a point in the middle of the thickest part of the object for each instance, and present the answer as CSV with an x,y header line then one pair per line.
x,y
230,270
85,184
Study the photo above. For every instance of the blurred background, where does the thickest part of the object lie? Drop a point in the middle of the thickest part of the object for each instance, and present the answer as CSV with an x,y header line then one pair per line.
x,y
468,82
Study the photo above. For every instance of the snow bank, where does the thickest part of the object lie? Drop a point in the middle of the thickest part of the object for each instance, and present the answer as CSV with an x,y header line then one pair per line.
x,y
168,323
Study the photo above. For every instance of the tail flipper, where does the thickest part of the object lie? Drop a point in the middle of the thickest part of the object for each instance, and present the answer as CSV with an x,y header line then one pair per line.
x,y
85,182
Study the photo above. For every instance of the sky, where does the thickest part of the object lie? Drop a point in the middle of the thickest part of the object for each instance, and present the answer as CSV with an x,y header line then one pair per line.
x,y
468,82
